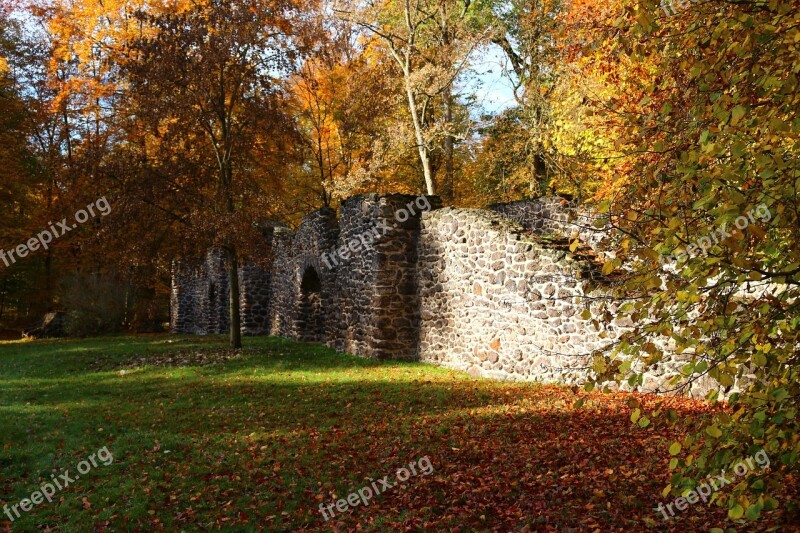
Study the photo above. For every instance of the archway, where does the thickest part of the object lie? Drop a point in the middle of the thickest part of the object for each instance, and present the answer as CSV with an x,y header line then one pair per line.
x,y
311,320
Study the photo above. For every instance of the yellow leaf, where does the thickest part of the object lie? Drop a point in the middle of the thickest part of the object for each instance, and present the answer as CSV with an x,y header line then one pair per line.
x,y
736,114
736,512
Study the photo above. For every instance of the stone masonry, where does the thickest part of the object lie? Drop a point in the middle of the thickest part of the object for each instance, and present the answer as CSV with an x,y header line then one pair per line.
x,y
492,292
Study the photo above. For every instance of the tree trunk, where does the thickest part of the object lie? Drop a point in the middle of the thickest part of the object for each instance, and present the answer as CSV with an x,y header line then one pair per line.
x,y
449,149
421,145
233,297
449,140
534,183
232,259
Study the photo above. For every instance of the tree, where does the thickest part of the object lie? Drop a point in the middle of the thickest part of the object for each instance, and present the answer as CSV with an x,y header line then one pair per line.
x,y
431,42
23,185
204,81
709,217
342,108
528,32
562,79
500,170
15,155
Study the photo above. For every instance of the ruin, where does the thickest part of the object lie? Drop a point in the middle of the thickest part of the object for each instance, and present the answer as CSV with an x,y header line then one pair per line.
x,y
494,292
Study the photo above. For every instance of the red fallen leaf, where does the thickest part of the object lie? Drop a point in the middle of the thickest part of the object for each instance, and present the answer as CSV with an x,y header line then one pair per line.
x,y
86,503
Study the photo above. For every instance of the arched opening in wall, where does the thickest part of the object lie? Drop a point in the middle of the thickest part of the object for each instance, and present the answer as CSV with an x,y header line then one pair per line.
x,y
311,321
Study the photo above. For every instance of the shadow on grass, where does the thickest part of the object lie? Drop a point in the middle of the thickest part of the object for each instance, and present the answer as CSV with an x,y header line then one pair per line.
x,y
255,466
261,441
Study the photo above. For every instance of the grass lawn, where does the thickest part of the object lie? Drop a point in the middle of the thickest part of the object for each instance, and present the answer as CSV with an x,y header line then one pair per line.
x,y
203,438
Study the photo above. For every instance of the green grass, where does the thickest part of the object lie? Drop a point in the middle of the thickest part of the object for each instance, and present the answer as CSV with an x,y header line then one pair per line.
x,y
203,440
219,439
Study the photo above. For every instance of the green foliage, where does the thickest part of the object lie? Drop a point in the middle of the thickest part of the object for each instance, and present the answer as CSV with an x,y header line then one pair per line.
x,y
714,181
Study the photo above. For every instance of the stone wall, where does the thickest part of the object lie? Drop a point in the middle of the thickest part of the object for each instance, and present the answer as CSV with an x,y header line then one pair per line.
x,y
301,285
497,302
493,292
376,297
351,283
255,287
200,296
553,216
